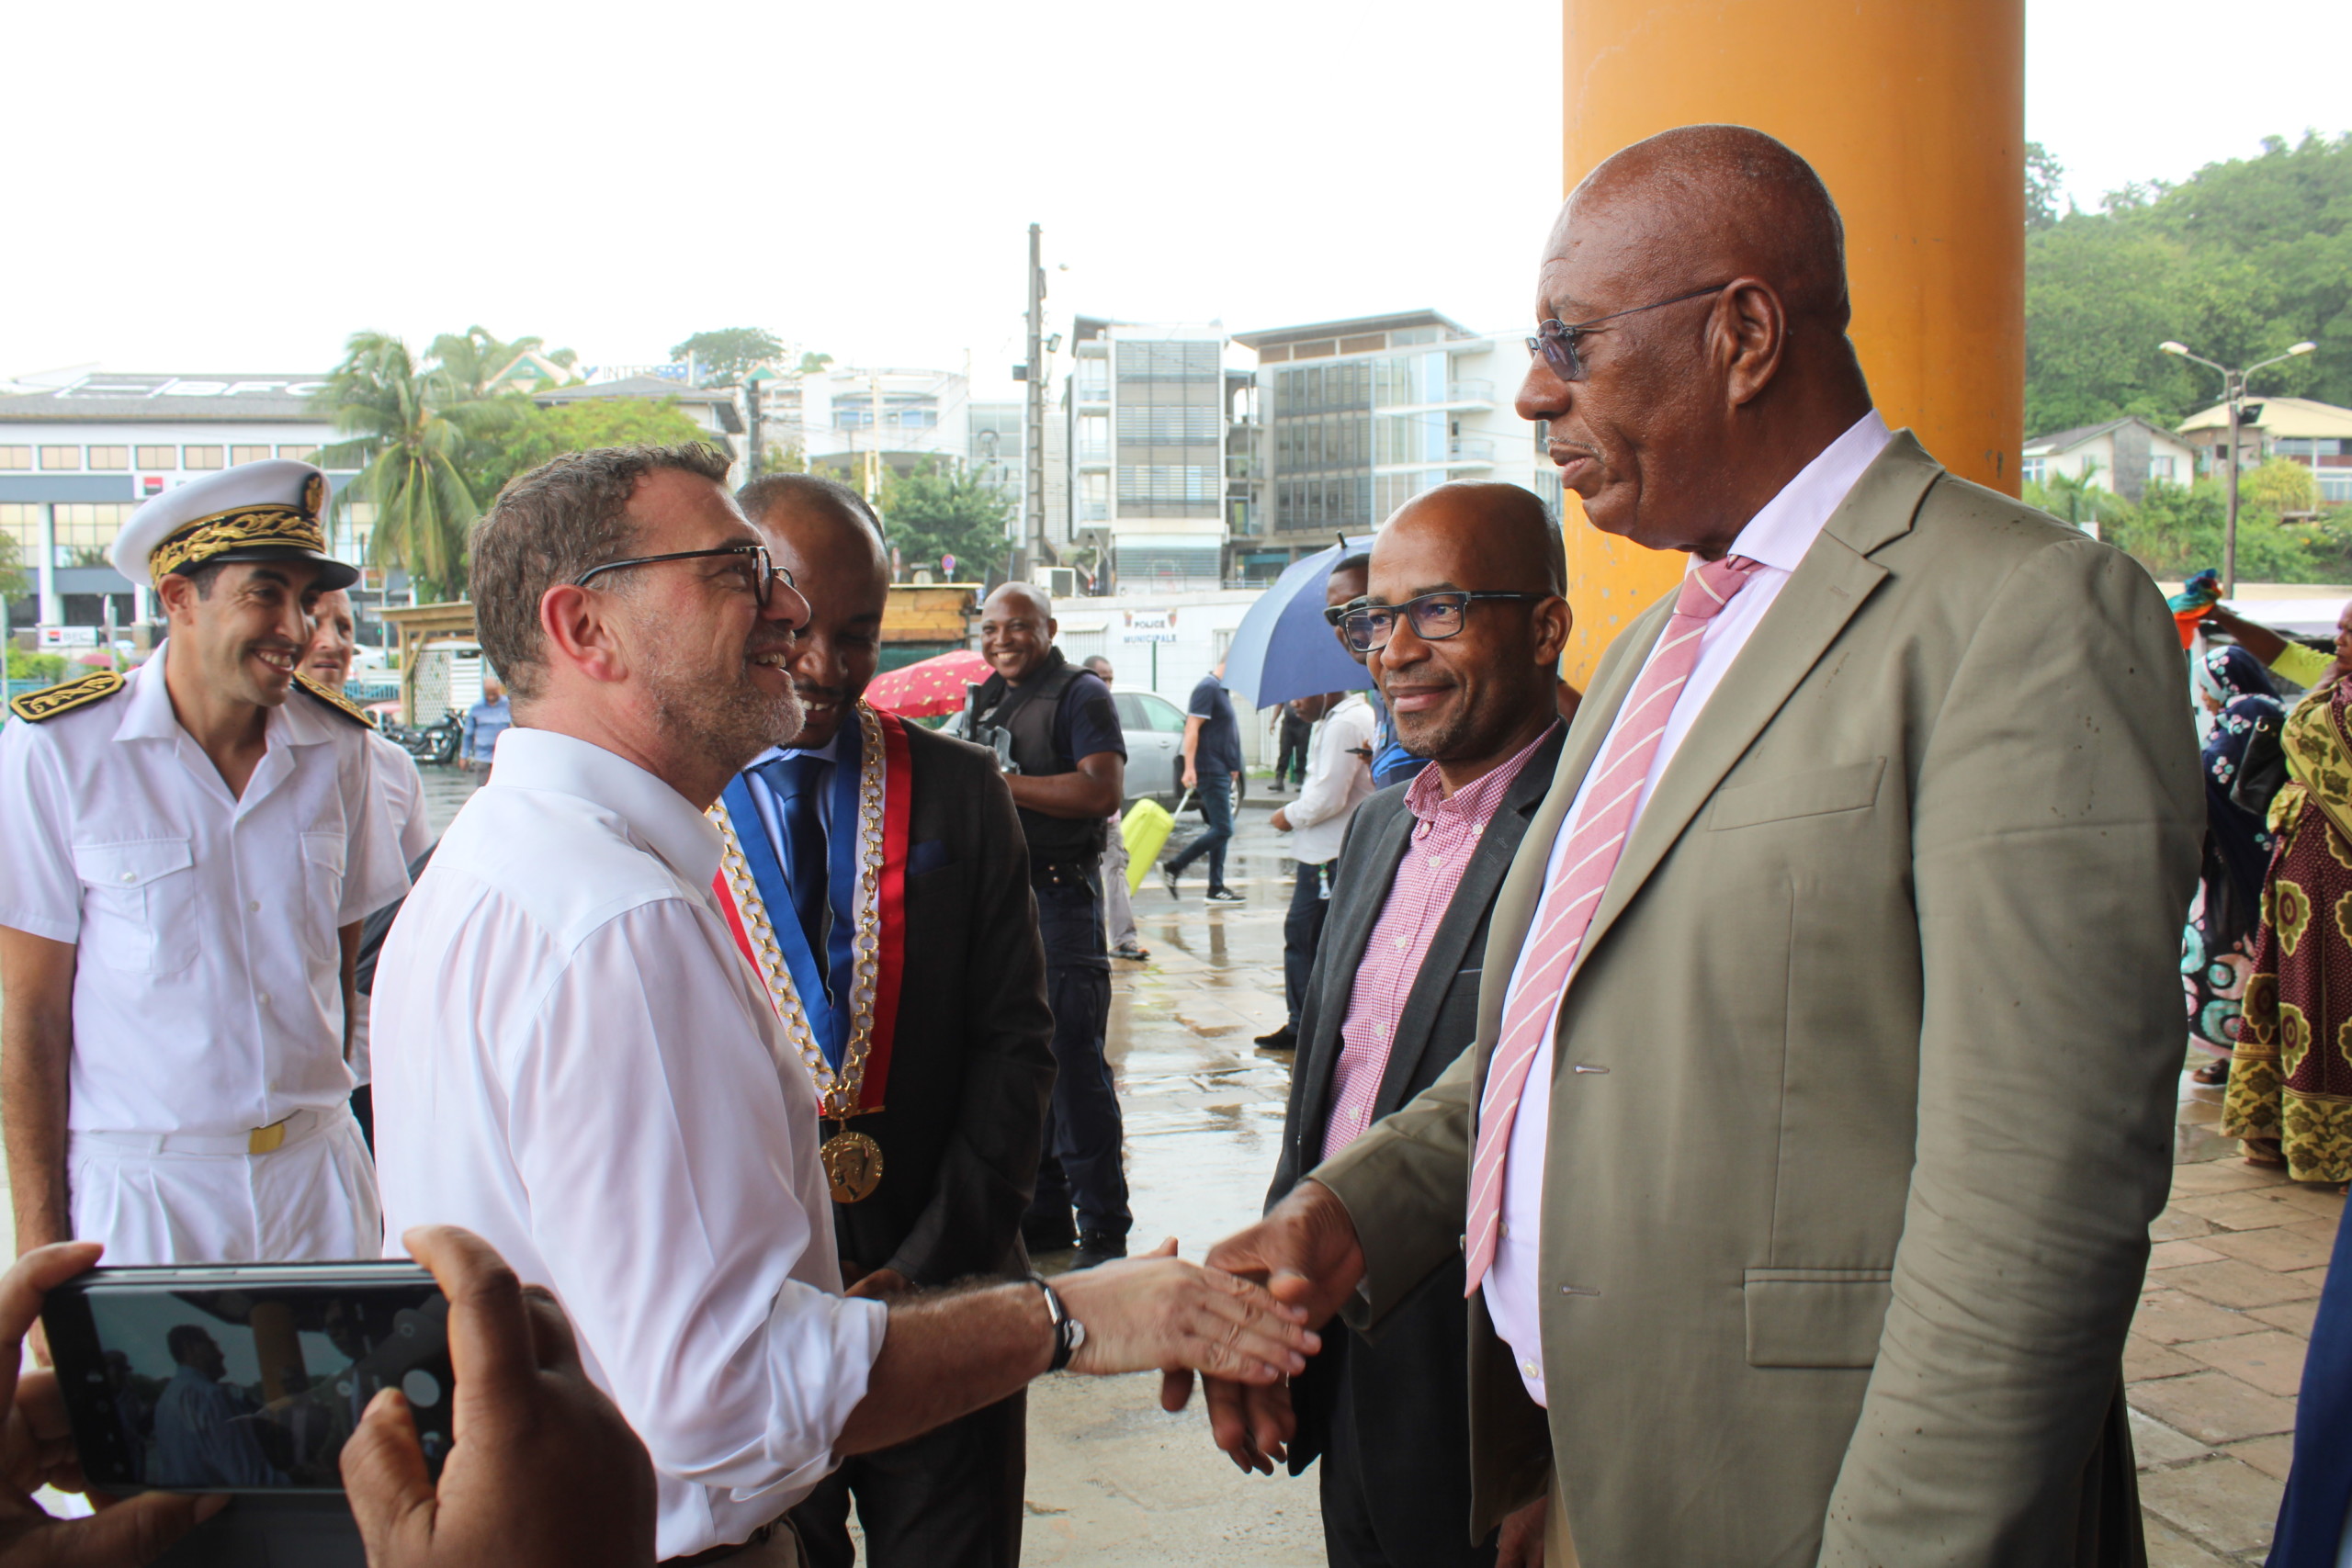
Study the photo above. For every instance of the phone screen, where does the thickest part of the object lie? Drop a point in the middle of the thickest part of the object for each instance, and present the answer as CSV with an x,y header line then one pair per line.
x,y
220,1378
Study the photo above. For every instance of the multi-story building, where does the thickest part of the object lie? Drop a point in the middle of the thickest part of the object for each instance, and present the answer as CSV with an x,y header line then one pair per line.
x,y
76,460
2316,435
1356,417
1146,410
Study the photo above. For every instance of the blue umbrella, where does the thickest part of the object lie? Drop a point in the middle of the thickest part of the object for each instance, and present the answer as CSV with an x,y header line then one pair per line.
x,y
1283,647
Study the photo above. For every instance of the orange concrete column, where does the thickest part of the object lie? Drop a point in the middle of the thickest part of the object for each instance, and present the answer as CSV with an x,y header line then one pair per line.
x,y
1914,113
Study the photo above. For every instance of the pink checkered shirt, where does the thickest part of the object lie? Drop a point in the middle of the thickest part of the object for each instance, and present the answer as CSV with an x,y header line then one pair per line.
x,y
1445,835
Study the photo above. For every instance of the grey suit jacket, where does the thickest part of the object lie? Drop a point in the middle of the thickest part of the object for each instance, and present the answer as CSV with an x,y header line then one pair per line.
x,y
1840,1243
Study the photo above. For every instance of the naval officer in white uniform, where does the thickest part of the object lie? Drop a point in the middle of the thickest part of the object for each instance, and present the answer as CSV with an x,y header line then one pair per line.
x,y
184,859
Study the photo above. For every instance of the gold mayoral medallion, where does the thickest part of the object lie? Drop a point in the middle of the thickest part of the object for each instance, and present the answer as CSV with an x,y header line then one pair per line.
x,y
853,1161
853,1166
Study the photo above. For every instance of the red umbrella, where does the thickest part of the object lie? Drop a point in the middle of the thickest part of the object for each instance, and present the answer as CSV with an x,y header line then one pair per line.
x,y
928,686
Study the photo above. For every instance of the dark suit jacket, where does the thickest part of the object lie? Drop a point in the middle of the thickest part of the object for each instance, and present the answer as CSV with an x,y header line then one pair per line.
x,y
1412,1378
971,1066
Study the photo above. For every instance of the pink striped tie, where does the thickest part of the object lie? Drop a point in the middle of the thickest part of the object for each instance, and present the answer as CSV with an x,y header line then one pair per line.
x,y
1575,892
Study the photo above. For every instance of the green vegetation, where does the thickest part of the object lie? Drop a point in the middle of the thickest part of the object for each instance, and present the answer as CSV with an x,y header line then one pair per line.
x,y
937,511
2176,530
518,446
2239,261
14,582
729,353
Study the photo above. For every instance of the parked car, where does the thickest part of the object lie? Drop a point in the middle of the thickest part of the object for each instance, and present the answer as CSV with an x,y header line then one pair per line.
x,y
1153,728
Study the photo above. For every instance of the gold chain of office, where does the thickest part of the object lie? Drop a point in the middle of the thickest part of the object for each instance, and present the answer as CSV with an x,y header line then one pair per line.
x,y
853,1161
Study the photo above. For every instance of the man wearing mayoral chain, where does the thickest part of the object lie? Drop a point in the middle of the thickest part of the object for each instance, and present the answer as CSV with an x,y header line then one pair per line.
x,y
866,840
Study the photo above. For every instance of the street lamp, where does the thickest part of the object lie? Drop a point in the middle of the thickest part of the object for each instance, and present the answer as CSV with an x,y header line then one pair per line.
x,y
2233,396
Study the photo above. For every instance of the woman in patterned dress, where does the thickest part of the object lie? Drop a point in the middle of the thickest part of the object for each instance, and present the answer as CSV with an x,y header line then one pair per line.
x,y
2217,948
2290,1077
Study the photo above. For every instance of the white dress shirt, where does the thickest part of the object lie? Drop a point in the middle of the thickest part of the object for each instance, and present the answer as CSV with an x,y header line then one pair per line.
x,y
574,1061
1778,536
1337,781
208,985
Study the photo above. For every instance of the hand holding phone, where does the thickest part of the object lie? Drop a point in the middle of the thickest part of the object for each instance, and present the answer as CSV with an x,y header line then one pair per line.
x,y
548,1475
37,1446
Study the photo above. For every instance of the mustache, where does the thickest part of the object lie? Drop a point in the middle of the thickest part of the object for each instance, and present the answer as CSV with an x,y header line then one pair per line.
x,y
833,696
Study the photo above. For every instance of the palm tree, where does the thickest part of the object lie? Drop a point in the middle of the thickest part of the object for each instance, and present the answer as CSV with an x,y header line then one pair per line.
x,y
409,426
470,358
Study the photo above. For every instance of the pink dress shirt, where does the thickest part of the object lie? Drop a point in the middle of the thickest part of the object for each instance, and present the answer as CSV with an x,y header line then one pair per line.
x,y
1445,835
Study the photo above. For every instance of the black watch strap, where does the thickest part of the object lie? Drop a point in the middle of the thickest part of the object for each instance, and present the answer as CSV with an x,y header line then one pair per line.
x,y
1068,1333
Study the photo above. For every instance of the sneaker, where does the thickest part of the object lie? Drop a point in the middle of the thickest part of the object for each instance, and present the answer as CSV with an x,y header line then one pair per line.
x,y
1041,1233
1168,877
1282,1039
1133,951
1095,1249
1223,896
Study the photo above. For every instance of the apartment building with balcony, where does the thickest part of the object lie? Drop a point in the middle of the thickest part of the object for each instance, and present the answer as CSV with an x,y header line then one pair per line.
x,y
1356,417
1146,411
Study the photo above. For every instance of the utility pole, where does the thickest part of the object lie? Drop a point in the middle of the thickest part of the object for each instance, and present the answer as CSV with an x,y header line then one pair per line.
x,y
751,422
2234,399
1031,550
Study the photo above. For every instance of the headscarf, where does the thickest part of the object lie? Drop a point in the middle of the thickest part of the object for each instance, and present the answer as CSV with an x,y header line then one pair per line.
x,y
2229,671
2237,849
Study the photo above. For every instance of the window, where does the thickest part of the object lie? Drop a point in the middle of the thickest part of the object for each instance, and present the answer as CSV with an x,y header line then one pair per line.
x,y
158,457
16,457
60,457
2034,470
299,454
20,520
110,457
247,455
2160,469
2336,486
200,458
85,531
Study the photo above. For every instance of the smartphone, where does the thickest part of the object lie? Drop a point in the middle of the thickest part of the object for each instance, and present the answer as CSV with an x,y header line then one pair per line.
x,y
244,1377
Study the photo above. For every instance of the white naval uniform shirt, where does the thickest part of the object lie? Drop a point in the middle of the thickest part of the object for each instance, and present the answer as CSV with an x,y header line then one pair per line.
x,y
207,987
1778,536
574,1061
403,788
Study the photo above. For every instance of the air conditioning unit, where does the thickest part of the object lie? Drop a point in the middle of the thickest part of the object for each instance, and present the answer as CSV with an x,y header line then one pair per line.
x,y
1061,582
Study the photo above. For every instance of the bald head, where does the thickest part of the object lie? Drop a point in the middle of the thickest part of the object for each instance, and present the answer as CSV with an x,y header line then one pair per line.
x,y
1704,274
1501,532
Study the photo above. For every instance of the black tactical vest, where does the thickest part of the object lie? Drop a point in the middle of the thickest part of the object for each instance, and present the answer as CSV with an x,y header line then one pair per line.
x,y
1028,712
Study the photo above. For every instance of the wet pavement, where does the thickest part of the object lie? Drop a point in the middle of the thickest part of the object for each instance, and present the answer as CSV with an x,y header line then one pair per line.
x,y
2213,1361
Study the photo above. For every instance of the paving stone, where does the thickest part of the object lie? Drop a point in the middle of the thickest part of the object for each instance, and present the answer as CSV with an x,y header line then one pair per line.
x,y
2243,1211
2168,1317
2178,1225
2173,1254
2214,1407
2269,1455
2295,1317
2169,1548
2155,1445
2280,1247
2234,1285
2317,1198
2144,1359
2220,1176
2271,1361
2225,1505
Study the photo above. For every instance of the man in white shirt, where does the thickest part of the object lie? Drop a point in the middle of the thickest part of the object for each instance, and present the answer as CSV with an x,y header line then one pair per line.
x,y
333,642
576,1064
185,861
1338,778
1801,1173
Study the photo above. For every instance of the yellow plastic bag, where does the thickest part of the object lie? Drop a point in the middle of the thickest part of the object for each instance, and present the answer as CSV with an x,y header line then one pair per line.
x,y
1145,827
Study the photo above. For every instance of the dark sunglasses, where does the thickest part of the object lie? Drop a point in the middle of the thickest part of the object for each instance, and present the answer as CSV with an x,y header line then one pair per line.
x,y
763,572
1556,340
1335,613
1435,617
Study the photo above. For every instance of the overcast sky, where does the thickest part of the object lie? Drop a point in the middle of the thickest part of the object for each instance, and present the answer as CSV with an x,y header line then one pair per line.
x,y
237,186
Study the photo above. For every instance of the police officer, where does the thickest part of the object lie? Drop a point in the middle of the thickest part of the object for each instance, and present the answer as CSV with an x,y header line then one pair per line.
x,y
185,861
1069,769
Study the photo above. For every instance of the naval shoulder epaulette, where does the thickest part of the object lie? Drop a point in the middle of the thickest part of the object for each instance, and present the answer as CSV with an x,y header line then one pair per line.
x,y
336,700
96,686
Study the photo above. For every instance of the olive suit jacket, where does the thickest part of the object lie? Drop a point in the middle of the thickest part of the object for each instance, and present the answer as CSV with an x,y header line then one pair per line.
x,y
1862,1094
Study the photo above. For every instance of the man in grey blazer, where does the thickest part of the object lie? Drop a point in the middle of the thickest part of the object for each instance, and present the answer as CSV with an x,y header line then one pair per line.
x,y
1810,1228
1393,998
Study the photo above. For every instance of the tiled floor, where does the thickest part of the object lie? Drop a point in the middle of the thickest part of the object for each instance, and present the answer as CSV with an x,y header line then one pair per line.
x,y
2216,1352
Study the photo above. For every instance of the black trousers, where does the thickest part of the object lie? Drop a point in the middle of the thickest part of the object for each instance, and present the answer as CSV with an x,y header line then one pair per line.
x,y
1082,1163
951,1496
1291,760
1421,1520
1303,933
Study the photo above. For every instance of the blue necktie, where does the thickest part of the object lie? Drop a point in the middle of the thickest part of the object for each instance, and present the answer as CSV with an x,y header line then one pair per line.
x,y
799,783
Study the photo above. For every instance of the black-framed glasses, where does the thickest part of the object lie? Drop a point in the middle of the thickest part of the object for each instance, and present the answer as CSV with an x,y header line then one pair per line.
x,y
1435,617
763,571
1335,613
1556,340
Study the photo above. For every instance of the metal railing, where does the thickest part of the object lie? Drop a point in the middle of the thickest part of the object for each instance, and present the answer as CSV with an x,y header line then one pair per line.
x,y
1470,449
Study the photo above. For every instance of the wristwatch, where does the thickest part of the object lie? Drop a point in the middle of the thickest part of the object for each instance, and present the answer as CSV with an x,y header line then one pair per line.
x,y
1068,1333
